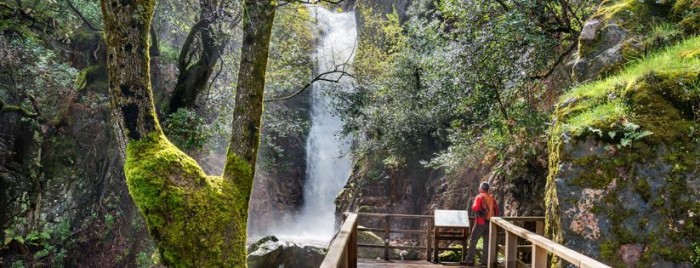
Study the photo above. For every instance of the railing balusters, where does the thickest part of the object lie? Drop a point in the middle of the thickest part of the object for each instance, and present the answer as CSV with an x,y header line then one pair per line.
x,y
386,237
539,257
428,237
493,249
511,249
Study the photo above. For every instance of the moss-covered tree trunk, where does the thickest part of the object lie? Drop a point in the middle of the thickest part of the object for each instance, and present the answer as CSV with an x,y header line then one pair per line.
x,y
247,114
195,219
126,33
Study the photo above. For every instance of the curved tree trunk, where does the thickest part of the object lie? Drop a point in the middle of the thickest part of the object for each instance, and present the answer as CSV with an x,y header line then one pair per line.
x,y
193,77
195,219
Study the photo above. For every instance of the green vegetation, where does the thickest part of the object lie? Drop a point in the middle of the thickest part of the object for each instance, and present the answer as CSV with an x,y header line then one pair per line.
x,y
604,107
450,255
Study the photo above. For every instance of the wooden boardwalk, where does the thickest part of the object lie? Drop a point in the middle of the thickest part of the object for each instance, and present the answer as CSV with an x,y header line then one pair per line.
x,y
368,263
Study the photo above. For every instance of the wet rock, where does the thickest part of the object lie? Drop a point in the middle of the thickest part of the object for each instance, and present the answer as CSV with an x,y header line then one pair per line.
x,y
272,252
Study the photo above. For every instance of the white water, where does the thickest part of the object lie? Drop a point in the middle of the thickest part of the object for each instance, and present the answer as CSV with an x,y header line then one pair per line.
x,y
327,163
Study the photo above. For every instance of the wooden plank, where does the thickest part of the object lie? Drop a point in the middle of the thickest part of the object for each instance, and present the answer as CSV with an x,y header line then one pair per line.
x,y
539,257
396,215
511,249
435,247
428,237
390,247
352,249
539,229
336,251
386,237
493,240
376,230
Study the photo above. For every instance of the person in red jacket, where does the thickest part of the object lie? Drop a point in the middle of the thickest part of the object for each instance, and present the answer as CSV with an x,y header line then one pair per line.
x,y
484,207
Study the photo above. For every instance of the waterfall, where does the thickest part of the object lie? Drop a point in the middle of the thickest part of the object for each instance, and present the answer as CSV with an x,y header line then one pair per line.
x,y
327,164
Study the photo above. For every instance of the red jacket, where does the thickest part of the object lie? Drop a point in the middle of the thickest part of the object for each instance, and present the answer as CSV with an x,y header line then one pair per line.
x,y
478,204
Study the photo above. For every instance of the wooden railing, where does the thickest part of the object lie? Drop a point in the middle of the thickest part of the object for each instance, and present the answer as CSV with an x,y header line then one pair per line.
x,y
342,252
541,246
343,249
386,230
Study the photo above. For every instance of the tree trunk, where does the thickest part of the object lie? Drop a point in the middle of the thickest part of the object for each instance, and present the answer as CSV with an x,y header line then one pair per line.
x,y
247,114
195,219
127,27
193,78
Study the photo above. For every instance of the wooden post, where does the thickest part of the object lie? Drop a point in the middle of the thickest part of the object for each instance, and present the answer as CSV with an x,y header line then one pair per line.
x,y
492,246
511,249
386,237
539,228
465,237
352,248
428,237
436,259
539,257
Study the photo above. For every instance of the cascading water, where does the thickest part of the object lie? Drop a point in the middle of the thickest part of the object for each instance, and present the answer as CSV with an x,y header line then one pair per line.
x,y
327,164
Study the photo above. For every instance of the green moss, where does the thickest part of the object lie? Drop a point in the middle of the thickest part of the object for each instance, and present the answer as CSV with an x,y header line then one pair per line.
x,y
688,12
643,189
659,93
452,256
655,84
81,79
240,172
196,220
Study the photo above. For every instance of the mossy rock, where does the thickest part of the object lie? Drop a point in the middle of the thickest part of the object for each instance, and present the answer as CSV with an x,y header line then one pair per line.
x,y
371,238
624,183
192,217
451,255
624,30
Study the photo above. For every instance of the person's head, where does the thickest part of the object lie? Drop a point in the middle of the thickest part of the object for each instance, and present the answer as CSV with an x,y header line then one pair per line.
x,y
484,187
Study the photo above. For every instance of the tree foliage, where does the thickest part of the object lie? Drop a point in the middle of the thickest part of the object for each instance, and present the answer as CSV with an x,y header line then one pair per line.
x,y
460,75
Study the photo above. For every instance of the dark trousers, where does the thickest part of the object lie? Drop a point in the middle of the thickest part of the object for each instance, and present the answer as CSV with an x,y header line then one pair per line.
x,y
479,231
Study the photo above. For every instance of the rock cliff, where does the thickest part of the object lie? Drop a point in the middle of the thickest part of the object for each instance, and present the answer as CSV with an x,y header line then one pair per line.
x,y
623,181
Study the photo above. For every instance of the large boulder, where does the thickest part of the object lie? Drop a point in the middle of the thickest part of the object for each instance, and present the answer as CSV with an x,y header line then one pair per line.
x,y
272,252
624,170
622,30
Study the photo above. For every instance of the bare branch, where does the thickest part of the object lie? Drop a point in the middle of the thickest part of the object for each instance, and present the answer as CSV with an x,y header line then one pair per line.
x,y
72,7
339,69
557,62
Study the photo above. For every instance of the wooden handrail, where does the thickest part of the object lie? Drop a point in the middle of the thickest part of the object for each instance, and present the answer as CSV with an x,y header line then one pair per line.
x,y
342,252
540,247
396,215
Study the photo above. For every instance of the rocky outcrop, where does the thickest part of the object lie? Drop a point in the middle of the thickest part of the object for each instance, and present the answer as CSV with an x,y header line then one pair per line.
x,y
621,31
272,252
63,197
624,183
